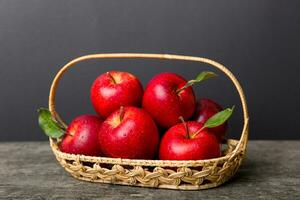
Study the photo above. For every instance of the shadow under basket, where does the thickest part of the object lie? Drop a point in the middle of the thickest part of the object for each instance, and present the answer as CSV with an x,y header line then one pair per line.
x,y
181,175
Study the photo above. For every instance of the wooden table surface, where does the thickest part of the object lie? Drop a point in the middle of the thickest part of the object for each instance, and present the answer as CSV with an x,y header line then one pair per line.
x,y
28,170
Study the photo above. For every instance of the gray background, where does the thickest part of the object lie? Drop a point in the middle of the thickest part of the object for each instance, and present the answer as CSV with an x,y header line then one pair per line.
x,y
258,40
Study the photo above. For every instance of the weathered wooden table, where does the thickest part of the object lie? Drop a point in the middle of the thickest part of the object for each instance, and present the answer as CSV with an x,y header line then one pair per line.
x,y
28,170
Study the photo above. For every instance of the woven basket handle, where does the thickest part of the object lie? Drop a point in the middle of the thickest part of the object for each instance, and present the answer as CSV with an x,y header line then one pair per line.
x,y
244,137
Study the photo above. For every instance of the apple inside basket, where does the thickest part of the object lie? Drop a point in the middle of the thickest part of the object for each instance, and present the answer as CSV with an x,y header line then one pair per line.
x,y
160,136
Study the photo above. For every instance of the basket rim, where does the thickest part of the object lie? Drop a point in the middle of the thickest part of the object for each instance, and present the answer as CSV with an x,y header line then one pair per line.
x,y
144,162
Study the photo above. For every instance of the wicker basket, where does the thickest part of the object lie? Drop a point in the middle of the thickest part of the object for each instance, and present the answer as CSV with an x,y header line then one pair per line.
x,y
182,175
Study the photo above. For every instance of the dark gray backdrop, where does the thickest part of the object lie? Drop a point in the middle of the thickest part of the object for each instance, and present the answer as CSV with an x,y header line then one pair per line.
x,y
258,40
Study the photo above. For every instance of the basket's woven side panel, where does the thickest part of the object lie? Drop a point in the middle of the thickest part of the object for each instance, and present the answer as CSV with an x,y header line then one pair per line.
x,y
187,178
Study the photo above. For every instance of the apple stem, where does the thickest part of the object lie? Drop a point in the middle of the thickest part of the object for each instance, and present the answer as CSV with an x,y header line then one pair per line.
x,y
111,76
67,133
122,112
197,132
70,134
186,127
183,88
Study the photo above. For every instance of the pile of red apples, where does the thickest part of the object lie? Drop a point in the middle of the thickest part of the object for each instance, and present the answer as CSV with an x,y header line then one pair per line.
x,y
163,121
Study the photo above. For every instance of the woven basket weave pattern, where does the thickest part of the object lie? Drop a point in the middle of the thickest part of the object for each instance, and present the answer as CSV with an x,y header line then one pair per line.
x,y
184,175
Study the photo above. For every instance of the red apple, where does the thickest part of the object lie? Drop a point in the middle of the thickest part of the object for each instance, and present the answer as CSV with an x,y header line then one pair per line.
x,y
81,136
206,108
188,141
165,102
114,89
129,132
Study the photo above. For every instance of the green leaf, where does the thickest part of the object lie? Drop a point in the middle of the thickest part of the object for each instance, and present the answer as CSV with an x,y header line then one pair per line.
x,y
50,127
201,77
219,118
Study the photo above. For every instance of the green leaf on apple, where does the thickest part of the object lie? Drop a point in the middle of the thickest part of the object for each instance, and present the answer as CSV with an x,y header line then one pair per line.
x,y
200,77
50,127
219,118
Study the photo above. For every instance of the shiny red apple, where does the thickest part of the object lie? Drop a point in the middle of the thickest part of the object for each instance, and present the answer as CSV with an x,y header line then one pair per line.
x,y
188,141
129,132
114,89
166,101
81,136
206,108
